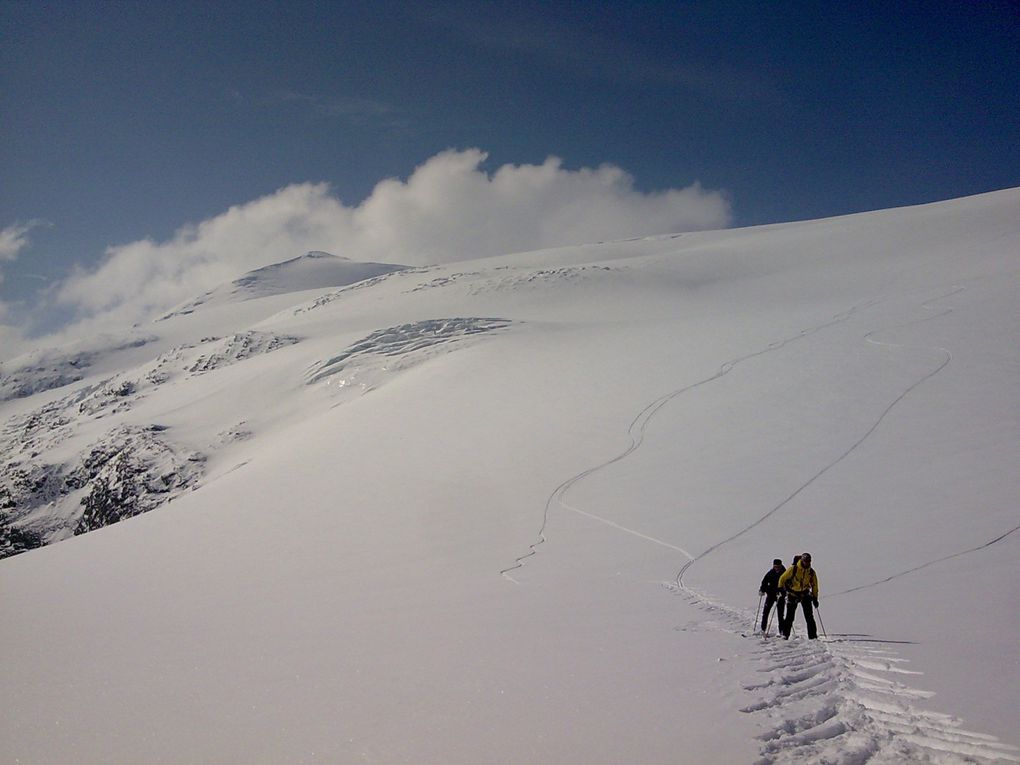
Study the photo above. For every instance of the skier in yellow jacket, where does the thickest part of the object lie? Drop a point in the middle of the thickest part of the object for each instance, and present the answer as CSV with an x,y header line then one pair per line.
x,y
801,584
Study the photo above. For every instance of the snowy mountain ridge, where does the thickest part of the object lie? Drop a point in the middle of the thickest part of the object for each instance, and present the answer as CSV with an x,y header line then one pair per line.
x,y
311,271
517,509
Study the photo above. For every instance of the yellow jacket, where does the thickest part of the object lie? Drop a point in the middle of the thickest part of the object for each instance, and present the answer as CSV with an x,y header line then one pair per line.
x,y
799,580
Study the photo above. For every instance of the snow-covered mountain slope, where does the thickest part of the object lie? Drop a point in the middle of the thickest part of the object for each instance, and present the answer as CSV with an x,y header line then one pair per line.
x,y
517,510
46,369
311,271
52,486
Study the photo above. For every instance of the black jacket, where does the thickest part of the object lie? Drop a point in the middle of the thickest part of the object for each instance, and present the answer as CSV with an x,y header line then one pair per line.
x,y
770,582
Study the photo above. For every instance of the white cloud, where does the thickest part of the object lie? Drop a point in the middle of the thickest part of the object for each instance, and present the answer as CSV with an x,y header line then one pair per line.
x,y
449,209
141,277
13,341
14,239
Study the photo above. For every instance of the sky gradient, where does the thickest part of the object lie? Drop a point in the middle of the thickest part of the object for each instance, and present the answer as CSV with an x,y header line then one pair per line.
x,y
124,122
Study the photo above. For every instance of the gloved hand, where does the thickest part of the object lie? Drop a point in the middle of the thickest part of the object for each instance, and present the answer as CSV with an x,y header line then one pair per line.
x,y
815,602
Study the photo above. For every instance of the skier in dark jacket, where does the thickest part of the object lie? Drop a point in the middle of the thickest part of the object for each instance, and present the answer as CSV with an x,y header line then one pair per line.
x,y
801,584
773,595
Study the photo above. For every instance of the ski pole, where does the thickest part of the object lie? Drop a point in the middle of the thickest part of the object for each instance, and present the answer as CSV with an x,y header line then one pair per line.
x,y
754,627
820,622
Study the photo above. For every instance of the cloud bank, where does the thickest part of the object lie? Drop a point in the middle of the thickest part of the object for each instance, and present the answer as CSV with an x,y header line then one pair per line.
x,y
449,209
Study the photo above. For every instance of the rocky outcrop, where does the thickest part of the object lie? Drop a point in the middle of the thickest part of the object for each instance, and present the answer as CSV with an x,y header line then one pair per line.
x,y
129,471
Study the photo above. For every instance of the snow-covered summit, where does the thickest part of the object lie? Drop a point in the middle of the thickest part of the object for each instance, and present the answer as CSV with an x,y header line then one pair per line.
x,y
313,270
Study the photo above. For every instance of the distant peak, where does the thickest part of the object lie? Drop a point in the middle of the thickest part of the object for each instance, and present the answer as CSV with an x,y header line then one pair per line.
x,y
313,270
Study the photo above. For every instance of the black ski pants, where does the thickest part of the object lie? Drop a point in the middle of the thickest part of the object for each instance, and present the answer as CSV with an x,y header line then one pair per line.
x,y
792,600
780,603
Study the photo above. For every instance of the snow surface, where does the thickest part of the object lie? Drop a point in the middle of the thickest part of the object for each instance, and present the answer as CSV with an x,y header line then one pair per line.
x,y
517,509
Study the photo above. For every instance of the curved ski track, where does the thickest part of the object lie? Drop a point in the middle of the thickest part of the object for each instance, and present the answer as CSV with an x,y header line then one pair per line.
x,y
636,434
839,701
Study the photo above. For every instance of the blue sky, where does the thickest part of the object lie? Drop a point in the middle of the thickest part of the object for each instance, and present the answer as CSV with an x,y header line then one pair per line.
x,y
122,122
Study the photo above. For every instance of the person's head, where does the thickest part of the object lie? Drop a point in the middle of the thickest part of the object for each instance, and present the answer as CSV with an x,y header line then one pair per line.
x,y
777,564
805,560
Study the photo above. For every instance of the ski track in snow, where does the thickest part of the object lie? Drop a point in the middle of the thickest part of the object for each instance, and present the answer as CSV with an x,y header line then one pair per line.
x,y
636,434
870,338
839,700
948,357
929,563
842,701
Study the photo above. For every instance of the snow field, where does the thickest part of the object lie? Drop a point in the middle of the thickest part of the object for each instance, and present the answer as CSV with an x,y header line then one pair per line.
x,y
416,541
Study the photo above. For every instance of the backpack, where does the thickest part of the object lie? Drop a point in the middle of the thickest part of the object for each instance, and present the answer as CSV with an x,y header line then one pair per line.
x,y
802,582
